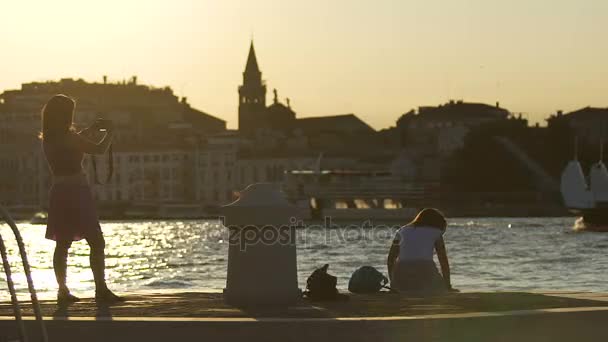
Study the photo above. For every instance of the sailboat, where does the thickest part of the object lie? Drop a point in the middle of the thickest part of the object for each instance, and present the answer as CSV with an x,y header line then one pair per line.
x,y
588,200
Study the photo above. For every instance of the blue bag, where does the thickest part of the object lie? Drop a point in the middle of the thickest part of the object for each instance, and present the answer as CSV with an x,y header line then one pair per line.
x,y
367,279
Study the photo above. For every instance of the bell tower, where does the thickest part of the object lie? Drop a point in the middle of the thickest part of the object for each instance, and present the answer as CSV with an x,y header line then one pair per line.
x,y
252,95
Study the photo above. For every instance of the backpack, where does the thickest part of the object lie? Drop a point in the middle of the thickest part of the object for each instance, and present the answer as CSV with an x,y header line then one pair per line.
x,y
321,285
367,279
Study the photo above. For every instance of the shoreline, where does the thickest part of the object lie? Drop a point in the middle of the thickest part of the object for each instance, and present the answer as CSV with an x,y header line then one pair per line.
x,y
214,218
196,304
451,210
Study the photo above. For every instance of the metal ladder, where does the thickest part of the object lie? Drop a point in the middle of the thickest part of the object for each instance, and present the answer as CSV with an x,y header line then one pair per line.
x,y
30,283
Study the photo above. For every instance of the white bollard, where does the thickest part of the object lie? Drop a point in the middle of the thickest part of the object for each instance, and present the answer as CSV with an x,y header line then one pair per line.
x,y
262,263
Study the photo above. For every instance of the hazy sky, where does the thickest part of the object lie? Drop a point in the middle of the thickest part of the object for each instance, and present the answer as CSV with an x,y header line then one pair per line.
x,y
376,59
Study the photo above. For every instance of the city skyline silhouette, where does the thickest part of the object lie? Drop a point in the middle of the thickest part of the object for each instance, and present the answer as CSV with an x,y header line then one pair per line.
x,y
186,168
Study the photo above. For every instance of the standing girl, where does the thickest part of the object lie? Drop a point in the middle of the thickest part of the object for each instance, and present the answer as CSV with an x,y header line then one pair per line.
x,y
72,214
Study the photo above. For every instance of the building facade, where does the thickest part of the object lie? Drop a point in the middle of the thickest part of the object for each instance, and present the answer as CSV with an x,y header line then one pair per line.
x,y
442,129
167,153
154,135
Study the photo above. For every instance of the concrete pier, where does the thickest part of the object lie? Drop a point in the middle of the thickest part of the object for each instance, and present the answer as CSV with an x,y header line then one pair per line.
x,y
498,316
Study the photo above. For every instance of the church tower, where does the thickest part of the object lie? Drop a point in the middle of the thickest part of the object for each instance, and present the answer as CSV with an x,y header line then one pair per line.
x,y
252,95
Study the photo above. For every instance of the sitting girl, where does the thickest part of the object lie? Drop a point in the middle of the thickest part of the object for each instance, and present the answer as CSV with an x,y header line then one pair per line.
x,y
410,260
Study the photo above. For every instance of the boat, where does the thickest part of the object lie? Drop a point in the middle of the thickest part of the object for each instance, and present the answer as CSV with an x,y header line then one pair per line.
x,y
589,200
357,196
39,218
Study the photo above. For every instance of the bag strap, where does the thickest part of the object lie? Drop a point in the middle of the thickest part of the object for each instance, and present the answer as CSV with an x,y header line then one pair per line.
x,y
110,168
385,282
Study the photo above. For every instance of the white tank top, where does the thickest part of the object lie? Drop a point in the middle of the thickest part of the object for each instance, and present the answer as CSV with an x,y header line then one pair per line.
x,y
417,243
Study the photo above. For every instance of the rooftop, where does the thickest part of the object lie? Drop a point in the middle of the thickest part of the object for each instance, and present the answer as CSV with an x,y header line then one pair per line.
x,y
344,123
586,112
459,110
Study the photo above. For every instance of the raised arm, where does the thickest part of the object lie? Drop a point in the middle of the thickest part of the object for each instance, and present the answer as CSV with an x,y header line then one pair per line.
x,y
393,253
87,146
442,255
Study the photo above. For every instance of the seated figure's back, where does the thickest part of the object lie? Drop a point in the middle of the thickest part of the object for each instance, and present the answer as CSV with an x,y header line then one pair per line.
x,y
417,243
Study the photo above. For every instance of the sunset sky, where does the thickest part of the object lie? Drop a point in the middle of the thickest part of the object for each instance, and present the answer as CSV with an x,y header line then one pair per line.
x,y
376,59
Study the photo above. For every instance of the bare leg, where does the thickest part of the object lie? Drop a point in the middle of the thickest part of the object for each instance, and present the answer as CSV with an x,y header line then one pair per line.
x,y
60,265
98,261
98,266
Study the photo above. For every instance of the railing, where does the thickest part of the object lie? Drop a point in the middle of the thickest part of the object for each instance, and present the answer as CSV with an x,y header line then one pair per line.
x,y
371,192
30,283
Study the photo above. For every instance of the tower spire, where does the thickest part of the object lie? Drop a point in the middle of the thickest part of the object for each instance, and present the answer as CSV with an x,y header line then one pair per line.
x,y
252,61
252,94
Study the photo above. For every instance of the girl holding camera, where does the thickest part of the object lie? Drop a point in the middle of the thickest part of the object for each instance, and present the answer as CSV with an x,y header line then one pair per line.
x,y
72,214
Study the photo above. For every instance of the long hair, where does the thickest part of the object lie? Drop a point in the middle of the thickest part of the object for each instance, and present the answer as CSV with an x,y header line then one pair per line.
x,y
429,217
57,117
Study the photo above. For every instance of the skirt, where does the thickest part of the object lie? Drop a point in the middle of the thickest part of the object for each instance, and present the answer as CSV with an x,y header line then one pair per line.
x,y
72,214
417,276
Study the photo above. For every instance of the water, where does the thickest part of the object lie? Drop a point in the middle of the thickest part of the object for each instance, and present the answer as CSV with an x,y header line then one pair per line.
x,y
485,254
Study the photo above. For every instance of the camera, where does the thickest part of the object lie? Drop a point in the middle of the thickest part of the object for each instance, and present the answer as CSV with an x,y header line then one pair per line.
x,y
103,124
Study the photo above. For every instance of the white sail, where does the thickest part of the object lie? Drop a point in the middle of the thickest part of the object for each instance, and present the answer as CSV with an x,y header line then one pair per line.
x,y
599,182
574,188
